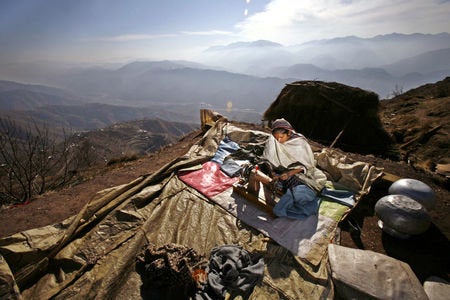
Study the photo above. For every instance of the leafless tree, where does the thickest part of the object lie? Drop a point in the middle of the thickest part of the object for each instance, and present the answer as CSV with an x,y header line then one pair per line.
x,y
17,150
398,90
30,158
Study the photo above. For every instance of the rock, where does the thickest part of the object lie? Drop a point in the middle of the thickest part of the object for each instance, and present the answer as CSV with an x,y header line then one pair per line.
x,y
402,216
416,190
437,288
364,274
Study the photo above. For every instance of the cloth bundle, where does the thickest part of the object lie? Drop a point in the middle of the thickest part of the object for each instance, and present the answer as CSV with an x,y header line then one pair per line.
x,y
232,270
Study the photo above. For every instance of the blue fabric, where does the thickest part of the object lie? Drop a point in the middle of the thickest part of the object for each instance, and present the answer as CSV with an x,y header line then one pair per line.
x,y
226,147
340,196
298,202
231,168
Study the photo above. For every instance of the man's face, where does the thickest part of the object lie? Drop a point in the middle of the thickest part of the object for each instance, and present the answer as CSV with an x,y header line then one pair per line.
x,y
281,137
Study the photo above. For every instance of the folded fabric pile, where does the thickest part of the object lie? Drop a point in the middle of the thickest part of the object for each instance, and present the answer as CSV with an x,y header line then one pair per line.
x,y
232,272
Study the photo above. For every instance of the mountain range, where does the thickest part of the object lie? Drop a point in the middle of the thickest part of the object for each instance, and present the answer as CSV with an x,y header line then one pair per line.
x,y
349,52
240,79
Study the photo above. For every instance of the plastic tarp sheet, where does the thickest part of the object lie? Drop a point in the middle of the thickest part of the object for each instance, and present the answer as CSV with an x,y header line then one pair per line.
x,y
93,254
308,238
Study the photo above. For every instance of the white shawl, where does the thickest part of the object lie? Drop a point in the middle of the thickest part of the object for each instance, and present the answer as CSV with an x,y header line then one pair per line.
x,y
290,154
293,151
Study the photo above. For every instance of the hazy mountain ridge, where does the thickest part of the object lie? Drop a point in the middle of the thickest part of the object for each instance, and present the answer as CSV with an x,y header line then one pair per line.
x,y
176,90
139,87
406,61
26,100
337,53
6,85
428,62
240,45
18,96
59,108
68,112
398,54
92,116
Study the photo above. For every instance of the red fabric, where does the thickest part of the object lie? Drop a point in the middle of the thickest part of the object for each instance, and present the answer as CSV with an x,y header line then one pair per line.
x,y
209,180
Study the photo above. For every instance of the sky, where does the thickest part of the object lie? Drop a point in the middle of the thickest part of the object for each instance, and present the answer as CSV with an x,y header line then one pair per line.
x,y
125,30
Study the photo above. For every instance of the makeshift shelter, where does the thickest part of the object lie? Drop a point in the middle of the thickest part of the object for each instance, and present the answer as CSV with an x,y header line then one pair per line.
x,y
334,114
94,253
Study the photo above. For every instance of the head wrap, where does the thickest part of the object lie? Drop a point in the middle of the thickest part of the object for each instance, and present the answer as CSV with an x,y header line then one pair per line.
x,y
281,123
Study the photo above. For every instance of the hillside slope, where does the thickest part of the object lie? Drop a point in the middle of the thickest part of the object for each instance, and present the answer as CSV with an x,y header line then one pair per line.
x,y
133,138
419,121
427,253
425,261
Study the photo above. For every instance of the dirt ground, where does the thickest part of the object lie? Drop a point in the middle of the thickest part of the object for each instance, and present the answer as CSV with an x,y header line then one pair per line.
x,y
427,254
